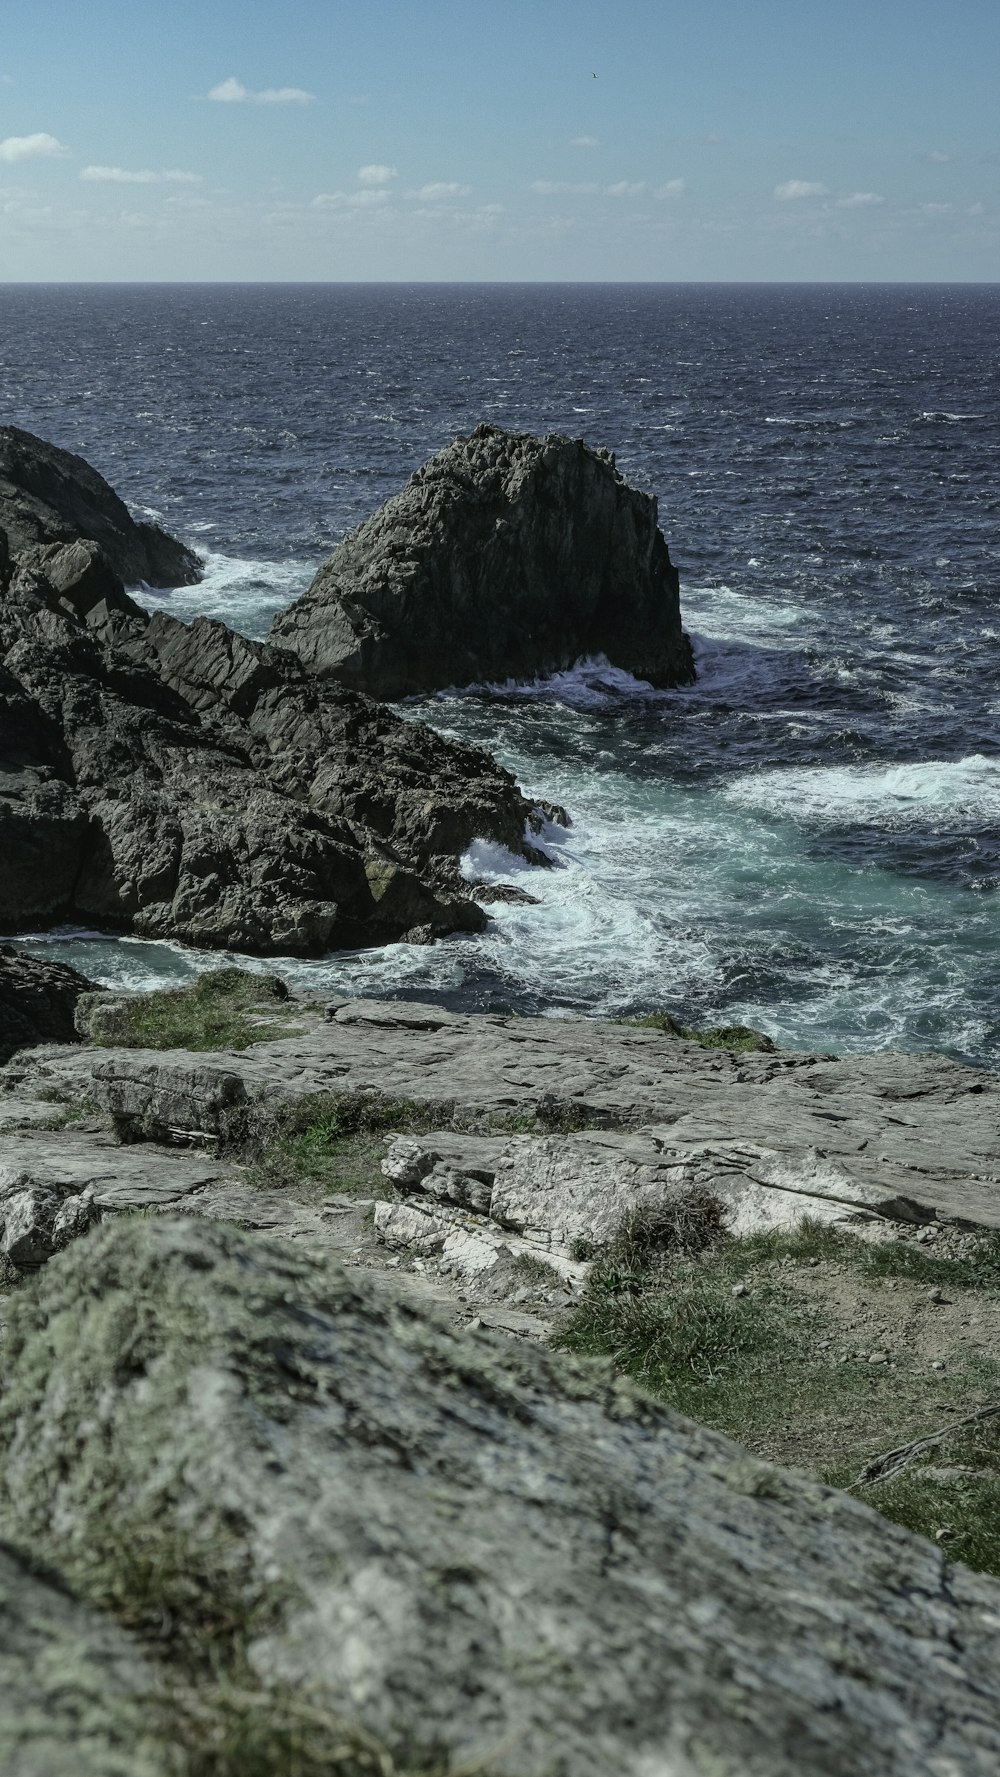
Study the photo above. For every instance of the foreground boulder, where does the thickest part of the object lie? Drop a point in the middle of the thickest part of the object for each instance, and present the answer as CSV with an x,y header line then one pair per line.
x,y
505,556
38,1001
180,781
466,1548
48,495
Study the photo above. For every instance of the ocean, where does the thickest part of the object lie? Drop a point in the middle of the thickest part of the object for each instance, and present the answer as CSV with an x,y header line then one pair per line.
x,y
806,840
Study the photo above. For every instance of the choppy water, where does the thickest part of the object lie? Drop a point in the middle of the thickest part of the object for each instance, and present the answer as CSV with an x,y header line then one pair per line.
x,y
808,839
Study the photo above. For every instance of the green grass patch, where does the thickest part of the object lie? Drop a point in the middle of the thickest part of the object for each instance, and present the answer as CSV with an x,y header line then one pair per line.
x,y
220,1010
326,1143
716,1327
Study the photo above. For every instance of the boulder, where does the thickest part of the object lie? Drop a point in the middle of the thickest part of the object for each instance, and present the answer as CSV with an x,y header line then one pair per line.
x,y
472,1550
48,495
182,782
505,556
38,1001
76,1690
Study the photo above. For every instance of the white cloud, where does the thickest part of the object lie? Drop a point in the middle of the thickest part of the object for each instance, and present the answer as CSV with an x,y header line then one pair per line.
x,y
350,200
589,188
584,142
37,147
376,175
976,210
859,200
122,176
442,188
794,188
939,159
233,92
673,188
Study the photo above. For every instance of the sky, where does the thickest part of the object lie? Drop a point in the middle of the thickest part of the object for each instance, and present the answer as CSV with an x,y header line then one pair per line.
x,y
452,140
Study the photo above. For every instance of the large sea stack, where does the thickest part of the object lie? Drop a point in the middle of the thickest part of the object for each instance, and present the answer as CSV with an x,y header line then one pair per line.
x,y
48,495
505,556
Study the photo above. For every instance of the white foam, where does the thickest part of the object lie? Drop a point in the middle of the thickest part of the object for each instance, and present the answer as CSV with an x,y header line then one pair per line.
x,y
891,796
243,592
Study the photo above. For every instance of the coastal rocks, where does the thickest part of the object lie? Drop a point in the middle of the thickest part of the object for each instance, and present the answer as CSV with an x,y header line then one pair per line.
x,y
48,495
38,1001
505,556
76,1691
182,782
484,1553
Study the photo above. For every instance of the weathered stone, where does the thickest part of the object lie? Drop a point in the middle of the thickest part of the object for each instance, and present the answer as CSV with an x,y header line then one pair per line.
x,y
482,1548
38,1001
505,556
48,495
179,781
27,1217
75,1691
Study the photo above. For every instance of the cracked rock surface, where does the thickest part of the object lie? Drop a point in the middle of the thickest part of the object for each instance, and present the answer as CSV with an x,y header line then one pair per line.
x,y
482,1545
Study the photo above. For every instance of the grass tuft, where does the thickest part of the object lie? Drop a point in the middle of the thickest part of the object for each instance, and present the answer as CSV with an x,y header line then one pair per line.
x,y
223,1009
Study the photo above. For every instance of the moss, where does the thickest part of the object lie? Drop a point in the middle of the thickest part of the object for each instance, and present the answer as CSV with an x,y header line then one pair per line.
x,y
223,1009
738,1038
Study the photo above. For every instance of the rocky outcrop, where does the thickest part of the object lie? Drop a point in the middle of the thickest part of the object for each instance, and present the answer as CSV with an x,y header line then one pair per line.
x,y
48,495
183,782
38,1001
624,1117
505,556
469,1550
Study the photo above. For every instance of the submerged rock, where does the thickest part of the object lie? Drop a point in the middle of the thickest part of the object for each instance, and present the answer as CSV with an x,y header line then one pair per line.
x,y
505,556
470,1549
48,495
180,781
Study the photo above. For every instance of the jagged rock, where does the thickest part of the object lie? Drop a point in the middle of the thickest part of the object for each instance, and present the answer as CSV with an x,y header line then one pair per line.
x,y
48,495
38,1001
505,556
182,782
467,1546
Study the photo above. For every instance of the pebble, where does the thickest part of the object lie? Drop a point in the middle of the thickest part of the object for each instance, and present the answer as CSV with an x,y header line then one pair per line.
x,y
740,1289
474,1325
937,1365
878,1357
935,1295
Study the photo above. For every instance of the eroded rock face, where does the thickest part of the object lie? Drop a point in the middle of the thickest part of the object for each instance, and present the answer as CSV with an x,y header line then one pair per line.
x,y
183,782
469,1545
48,495
505,556
38,1001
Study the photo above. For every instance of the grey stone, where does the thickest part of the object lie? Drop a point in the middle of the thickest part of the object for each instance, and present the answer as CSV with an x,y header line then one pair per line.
x,y
49,496
76,1693
38,1001
505,556
481,1546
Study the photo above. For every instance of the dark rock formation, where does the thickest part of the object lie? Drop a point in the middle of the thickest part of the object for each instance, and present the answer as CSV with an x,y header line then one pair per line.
x,y
48,495
182,782
505,556
473,1550
38,1001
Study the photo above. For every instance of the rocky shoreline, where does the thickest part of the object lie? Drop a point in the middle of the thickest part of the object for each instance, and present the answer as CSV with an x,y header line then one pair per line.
x,y
297,1477
482,1551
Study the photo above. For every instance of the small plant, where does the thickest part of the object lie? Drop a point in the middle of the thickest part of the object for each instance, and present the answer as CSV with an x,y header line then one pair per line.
x,y
335,1142
535,1271
215,1012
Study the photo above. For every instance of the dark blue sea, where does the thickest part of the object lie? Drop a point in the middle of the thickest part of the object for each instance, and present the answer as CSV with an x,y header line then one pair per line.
x,y
808,839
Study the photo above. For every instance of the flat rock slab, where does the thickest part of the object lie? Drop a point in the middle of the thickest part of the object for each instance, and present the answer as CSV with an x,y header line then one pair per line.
x,y
919,1132
117,1178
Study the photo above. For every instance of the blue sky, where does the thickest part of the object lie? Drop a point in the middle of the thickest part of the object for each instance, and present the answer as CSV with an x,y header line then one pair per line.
x,y
455,139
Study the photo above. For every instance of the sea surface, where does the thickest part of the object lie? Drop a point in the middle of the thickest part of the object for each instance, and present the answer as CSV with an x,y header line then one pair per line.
x,y
808,839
